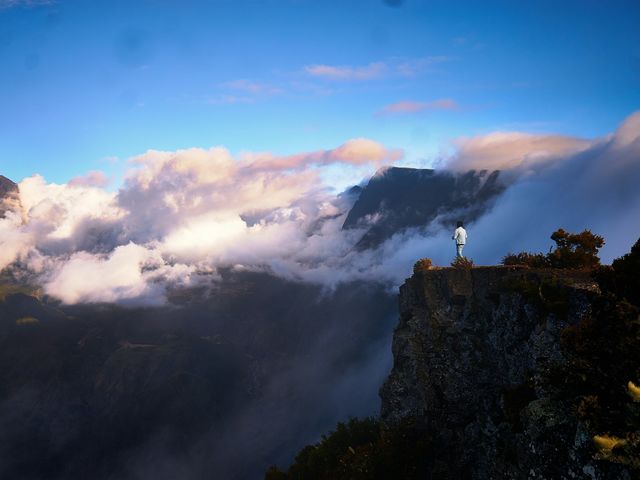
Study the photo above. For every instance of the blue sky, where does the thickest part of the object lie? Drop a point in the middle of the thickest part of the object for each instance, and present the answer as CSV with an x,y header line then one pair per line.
x,y
84,85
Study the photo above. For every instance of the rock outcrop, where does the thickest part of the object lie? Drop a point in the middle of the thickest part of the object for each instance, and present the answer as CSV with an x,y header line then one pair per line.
x,y
474,356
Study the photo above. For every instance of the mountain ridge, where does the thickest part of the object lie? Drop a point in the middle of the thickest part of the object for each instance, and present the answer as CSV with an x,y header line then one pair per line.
x,y
399,198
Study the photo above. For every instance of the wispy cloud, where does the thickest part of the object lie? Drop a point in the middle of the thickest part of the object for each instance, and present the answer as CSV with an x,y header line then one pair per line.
x,y
252,87
415,66
355,152
226,99
24,3
374,70
244,91
408,107
345,72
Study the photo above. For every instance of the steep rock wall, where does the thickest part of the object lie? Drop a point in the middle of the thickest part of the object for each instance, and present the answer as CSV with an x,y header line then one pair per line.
x,y
473,354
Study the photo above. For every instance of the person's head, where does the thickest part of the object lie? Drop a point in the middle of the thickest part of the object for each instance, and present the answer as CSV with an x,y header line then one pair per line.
x,y
460,224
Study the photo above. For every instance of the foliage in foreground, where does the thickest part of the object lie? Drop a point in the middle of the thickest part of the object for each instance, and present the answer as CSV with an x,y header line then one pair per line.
x,y
361,450
573,250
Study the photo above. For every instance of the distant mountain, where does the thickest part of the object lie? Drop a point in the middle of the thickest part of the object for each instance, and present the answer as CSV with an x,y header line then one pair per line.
x,y
399,198
9,195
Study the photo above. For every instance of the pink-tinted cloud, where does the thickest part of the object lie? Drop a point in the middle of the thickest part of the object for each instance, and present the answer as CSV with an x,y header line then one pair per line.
x,y
511,150
409,107
94,178
357,151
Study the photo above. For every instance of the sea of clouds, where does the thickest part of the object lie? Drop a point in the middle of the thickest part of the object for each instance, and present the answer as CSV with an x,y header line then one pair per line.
x,y
180,216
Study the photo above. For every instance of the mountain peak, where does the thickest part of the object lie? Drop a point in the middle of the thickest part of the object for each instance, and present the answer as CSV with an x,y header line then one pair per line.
x,y
7,185
397,198
9,195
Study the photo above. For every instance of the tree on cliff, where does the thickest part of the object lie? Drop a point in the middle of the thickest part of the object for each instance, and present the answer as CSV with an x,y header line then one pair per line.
x,y
575,250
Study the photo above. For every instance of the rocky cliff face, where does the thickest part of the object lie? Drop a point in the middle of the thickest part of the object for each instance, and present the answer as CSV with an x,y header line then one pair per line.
x,y
474,356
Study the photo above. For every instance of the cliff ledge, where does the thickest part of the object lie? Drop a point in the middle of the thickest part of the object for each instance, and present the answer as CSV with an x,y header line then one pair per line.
x,y
475,353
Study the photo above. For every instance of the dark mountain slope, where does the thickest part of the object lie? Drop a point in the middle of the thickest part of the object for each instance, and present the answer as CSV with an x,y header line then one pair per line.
x,y
218,384
399,198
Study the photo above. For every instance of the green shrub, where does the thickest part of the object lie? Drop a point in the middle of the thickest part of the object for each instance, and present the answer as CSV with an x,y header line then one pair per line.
x,y
422,265
463,263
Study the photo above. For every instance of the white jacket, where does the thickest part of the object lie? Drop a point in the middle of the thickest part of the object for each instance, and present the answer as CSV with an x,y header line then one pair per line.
x,y
460,236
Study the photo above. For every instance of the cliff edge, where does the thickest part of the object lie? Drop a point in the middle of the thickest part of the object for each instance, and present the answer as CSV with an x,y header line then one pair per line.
x,y
475,353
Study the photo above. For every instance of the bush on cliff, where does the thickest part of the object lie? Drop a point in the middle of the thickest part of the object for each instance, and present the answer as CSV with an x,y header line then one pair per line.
x,y
422,265
462,263
573,251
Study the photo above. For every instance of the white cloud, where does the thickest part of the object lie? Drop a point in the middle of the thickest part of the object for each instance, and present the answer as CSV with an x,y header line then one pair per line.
x,y
129,272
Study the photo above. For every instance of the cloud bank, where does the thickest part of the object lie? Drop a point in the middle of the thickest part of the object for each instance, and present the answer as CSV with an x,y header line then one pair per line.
x,y
180,216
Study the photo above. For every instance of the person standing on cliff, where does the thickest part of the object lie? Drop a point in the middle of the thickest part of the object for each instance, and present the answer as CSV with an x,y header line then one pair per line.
x,y
460,236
